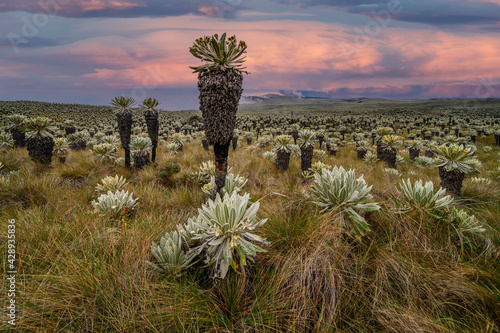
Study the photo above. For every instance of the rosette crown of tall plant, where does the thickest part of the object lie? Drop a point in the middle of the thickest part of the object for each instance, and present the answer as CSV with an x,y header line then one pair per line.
x,y
122,104
307,137
149,106
283,144
338,190
219,53
391,142
457,157
39,127
15,121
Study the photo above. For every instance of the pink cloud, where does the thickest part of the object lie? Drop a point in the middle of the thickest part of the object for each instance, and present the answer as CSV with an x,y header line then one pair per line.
x,y
282,54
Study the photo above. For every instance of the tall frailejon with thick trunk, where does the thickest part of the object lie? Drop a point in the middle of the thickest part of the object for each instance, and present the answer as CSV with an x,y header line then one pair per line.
x,y
15,124
308,138
123,111
151,114
454,163
40,140
220,82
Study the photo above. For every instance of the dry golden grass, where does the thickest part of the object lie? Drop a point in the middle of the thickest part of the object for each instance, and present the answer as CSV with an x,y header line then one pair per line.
x,y
80,272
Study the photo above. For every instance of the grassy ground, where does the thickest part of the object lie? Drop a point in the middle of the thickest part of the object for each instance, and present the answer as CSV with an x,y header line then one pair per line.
x,y
80,272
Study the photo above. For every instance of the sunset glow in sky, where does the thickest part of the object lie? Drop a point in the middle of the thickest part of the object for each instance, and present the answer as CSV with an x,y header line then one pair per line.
x,y
88,51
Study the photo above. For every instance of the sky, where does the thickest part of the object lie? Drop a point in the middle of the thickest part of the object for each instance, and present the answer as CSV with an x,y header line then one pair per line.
x,y
89,51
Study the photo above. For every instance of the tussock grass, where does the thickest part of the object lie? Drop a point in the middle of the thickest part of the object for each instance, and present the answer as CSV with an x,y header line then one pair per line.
x,y
81,272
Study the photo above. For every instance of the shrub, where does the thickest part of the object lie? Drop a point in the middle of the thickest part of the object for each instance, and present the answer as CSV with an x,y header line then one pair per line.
x,y
114,204
424,162
338,190
112,184
423,197
222,233
170,254
104,153
233,184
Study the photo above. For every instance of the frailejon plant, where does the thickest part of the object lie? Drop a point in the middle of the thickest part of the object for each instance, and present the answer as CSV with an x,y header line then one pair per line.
x,y
123,110
170,254
422,197
270,156
15,123
339,191
222,233
454,163
390,145
370,157
205,172
173,148
6,140
40,141
220,82
233,184
465,226
112,184
61,149
78,140
283,150
105,153
149,106
424,162
316,167
140,148
307,138
414,147
115,204
110,139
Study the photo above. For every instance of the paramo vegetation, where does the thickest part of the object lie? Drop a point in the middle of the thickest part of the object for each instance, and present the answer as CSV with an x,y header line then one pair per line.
x,y
309,216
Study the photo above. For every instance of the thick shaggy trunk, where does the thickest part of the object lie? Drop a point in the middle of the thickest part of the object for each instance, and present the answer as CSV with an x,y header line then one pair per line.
x,y
205,144
141,159
380,152
282,160
70,130
413,153
153,126
79,145
361,154
125,131
321,139
235,143
220,92
306,155
497,139
19,137
221,153
389,156
295,136
249,141
40,149
429,153
451,180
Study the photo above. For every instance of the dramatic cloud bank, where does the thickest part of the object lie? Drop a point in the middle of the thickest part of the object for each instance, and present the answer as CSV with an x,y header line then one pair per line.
x,y
90,51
